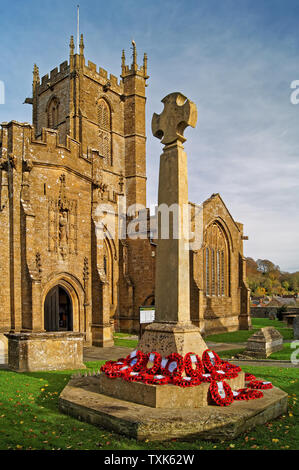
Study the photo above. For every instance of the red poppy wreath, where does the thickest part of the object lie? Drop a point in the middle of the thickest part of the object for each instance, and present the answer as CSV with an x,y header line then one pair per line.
x,y
221,393
211,360
259,384
193,365
247,394
172,365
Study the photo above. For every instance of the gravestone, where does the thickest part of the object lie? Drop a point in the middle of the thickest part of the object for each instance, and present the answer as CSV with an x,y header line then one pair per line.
x,y
172,330
263,343
296,327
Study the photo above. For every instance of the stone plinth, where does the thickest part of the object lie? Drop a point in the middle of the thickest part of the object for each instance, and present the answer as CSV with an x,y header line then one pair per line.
x,y
264,342
45,351
162,396
296,327
82,400
166,338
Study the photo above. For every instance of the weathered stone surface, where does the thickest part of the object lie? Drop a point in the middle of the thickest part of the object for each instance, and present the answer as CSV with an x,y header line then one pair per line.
x,y
264,342
166,396
168,338
81,399
45,351
173,330
296,327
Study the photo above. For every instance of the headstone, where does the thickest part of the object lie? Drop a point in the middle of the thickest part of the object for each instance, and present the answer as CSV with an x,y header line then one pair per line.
x,y
264,342
296,327
172,330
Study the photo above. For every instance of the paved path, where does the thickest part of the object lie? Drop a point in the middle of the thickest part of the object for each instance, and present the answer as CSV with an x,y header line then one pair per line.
x,y
104,354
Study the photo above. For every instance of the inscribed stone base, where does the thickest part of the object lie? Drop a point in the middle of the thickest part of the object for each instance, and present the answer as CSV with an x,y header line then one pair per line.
x,y
167,338
45,351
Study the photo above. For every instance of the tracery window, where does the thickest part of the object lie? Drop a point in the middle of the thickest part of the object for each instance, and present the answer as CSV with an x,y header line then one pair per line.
x,y
216,262
104,122
207,270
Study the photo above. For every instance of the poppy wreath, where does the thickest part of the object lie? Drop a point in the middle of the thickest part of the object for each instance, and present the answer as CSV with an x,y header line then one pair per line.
x,y
230,373
193,359
172,365
249,377
133,376
122,372
221,393
227,366
113,365
211,360
155,379
135,360
186,381
247,394
206,377
156,359
259,384
219,375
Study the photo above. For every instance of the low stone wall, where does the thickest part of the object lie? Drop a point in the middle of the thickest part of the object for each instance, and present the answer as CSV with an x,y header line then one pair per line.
x,y
264,312
45,351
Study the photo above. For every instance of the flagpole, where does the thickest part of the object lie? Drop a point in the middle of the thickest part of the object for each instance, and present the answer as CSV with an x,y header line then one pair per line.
x,y
78,29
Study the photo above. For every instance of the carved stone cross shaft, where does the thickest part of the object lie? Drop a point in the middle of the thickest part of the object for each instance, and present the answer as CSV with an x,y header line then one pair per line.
x,y
173,330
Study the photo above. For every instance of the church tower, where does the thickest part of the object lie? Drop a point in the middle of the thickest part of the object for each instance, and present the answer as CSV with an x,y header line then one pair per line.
x,y
105,115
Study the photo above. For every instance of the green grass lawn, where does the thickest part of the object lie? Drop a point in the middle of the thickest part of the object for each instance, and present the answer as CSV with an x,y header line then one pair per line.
x,y
122,335
242,336
125,343
29,417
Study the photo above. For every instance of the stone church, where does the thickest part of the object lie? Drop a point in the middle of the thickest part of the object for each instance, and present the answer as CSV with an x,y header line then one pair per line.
x,y
86,146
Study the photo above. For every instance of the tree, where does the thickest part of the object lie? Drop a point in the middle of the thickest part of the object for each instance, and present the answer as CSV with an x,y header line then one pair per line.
x,y
260,292
265,266
286,285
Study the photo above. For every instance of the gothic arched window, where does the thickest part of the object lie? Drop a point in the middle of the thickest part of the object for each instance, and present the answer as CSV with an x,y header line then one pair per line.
x,y
207,271
104,122
216,270
53,113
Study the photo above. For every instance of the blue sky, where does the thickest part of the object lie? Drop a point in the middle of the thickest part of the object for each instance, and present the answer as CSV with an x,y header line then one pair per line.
x,y
235,59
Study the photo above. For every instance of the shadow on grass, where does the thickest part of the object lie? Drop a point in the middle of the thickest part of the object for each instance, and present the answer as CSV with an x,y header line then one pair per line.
x,y
56,381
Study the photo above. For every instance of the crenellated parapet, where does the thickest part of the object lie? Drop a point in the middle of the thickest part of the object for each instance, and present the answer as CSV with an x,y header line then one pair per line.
x,y
108,81
51,79
18,143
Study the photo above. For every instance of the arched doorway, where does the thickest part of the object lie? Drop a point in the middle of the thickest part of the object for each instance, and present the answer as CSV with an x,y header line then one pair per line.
x,y
58,310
